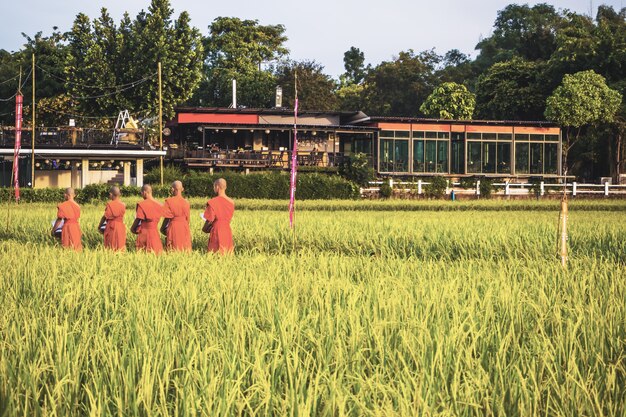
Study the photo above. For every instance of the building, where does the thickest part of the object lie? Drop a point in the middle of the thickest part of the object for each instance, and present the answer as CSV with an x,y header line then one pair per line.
x,y
261,139
76,157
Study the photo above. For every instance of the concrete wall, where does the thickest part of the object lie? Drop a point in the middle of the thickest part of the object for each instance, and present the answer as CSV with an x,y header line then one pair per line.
x,y
64,179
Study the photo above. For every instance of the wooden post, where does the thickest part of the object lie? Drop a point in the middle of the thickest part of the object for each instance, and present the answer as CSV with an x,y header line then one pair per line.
x,y
33,133
160,121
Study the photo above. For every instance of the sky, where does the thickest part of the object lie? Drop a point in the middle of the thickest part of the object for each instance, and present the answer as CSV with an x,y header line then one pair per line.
x,y
320,30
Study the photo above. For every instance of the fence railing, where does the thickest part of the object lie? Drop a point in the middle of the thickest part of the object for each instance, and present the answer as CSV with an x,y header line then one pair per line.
x,y
75,137
255,159
504,188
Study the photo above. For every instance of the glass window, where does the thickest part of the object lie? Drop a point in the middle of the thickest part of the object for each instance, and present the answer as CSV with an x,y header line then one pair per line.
x,y
489,157
521,158
536,137
474,136
418,156
386,155
504,158
443,135
402,133
431,155
551,158
401,155
458,157
442,156
505,136
473,157
386,133
431,135
521,136
418,135
458,135
489,136
552,137
536,158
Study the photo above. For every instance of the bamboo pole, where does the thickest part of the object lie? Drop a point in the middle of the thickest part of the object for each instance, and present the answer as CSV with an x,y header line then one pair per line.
x,y
33,135
160,121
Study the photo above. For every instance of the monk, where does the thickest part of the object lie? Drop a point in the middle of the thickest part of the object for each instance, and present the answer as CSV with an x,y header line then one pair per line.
x,y
175,225
115,229
219,211
69,213
145,226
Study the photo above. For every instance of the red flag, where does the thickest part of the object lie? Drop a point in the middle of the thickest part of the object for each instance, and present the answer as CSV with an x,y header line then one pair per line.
x,y
294,167
18,145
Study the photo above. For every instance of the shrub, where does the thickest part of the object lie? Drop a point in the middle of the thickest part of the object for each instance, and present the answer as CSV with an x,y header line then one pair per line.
x,y
486,188
385,190
467,183
170,174
357,169
436,187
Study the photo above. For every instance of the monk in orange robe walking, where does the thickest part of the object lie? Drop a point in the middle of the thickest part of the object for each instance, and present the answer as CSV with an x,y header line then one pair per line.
x,y
145,226
69,213
115,229
176,220
219,211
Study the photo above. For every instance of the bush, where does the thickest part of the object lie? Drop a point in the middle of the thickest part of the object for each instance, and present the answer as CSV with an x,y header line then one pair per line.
x,y
436,187
467,183
357,169
486,188
270,186
385,190
170,174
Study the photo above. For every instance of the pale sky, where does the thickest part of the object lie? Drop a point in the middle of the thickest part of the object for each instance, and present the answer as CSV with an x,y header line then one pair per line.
x,y
320,30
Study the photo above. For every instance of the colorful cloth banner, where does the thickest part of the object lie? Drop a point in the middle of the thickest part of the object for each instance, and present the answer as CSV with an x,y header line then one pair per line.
x,y
18,144
294,168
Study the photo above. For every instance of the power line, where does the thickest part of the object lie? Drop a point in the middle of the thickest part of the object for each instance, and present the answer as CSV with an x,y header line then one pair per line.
x,y
20,89
133,85
10,79
96,86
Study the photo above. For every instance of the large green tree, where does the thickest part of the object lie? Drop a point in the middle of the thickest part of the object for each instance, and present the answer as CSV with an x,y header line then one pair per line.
x,y
583,99
243,50
511,90
112,68
449,101
520,31
315,89
400,86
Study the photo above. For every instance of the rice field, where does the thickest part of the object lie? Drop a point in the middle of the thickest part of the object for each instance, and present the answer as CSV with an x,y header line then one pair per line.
x,y
377,309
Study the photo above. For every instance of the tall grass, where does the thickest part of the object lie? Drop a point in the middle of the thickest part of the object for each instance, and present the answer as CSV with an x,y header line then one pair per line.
x,y
375,313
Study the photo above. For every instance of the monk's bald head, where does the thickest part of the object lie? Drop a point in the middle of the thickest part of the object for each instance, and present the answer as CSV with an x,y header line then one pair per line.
x,y
115,191
220,183
146,190
177,187
69,193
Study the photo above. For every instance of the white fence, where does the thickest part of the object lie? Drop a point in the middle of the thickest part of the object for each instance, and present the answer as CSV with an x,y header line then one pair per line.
x,y
504,188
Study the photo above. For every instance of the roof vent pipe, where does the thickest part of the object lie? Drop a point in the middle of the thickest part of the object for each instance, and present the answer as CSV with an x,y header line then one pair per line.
x,y
234,94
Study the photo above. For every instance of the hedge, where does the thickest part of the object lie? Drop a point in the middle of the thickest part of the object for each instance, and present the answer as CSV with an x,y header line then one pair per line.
x,y
271,186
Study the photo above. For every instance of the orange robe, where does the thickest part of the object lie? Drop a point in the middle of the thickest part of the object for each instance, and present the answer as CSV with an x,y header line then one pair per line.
x,y
149,212
71,235
115,230
178,235
220,211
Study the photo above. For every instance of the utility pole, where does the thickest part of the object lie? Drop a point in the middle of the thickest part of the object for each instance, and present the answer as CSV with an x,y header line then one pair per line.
x,y
160,120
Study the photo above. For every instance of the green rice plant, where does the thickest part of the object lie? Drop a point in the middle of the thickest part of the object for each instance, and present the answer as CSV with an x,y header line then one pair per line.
x,y
375,311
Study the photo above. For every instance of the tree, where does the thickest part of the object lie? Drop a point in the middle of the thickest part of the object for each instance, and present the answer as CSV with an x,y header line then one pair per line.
x,y
354,64
450,101
582,99
521,31
315,89
511,90
239,49
398,87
